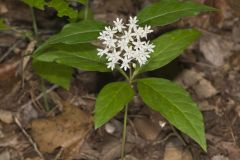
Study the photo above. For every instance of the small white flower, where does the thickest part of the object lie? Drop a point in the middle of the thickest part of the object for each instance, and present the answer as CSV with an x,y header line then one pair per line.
x,y
125,46
110,42
132,23
149,47
139,45
110,32
128,35
119,24
125,64
111,65
147,30
139,33
102,52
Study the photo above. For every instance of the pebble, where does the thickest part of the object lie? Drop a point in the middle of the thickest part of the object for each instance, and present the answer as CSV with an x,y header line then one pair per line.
x,y
110,128
6,116
5,155
146,128
175,151
204,89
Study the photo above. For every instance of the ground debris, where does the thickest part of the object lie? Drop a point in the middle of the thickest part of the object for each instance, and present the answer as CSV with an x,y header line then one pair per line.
x,y
216,49
65,130
219,157
175,151
189,77
146,128
5,155
6,116
205,89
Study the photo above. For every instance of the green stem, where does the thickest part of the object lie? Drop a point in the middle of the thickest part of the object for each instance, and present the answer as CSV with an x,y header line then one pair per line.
x,y
86,10
124,74
35,28
124,133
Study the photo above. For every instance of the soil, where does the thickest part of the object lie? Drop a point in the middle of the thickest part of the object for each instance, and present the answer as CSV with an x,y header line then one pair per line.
x,y
209,70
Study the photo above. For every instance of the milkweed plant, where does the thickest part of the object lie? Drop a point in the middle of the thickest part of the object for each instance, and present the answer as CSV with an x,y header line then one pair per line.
x,y
126,48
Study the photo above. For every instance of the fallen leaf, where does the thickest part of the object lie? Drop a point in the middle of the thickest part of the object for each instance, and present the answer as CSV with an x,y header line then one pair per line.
x,y
216,49
7,70
65,130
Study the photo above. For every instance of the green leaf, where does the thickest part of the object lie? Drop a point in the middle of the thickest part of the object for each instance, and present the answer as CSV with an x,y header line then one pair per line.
x,y
168,11
168,47
3,26
73,33
79,1
63,8
175,104
35,3
111,100
82,56
53,72
82,1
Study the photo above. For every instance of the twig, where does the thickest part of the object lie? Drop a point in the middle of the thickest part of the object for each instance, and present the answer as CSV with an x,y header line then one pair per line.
x,y
178,136
28,137
59,154
38,97
26,59
10,50
164,139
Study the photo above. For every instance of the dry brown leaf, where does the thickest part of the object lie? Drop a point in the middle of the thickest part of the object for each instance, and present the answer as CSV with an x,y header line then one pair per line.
x,y
65,130
8,70
216,49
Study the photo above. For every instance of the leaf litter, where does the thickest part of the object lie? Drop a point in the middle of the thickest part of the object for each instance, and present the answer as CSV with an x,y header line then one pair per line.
x,y
66,130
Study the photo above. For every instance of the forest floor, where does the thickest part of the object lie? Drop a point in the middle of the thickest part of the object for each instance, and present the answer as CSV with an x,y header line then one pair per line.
x,y
32,130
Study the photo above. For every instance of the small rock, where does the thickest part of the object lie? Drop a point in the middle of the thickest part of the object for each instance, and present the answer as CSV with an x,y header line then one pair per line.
x,y
5,155
129,157
219,157
236,32
205,106
175,151
35,158
29,113
3,8
112,149
6,116
216,49
146,128
204,89
189,77
110,128
237,109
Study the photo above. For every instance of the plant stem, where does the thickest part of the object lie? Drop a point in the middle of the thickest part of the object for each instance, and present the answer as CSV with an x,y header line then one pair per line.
x,y
123,73
35,28
124,132
86,10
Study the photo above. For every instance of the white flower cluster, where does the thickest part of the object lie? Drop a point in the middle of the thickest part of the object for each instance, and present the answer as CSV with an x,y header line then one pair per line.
x,y
125,45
